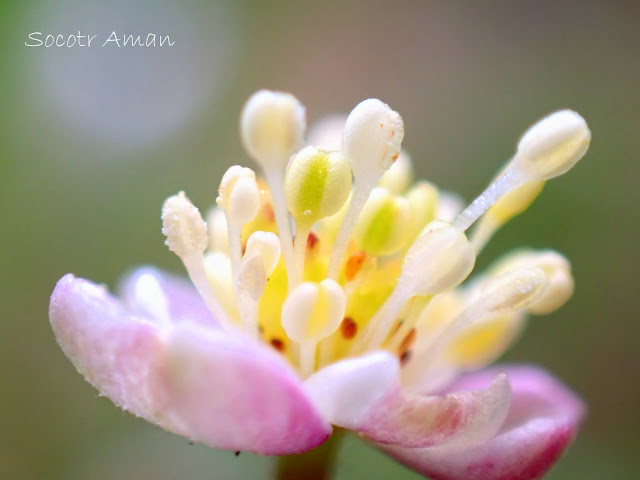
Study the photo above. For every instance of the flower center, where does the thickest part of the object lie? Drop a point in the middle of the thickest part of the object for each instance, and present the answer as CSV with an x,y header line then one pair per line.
x,y
368,253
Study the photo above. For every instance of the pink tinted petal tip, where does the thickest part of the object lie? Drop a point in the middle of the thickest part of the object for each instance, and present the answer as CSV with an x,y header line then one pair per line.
x,y
193,379
543,420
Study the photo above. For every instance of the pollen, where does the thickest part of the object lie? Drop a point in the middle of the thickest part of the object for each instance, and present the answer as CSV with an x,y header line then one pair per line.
x,y
324,253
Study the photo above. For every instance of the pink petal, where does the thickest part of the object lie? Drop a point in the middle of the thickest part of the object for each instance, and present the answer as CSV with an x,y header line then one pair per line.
x,y
543,419
365,394
210,386
182,299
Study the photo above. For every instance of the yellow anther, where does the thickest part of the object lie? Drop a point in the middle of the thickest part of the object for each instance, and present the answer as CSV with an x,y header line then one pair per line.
x,y
423,205
382,228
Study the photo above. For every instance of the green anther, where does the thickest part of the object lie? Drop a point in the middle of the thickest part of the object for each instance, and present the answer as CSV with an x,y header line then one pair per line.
x,y
317,184
382,227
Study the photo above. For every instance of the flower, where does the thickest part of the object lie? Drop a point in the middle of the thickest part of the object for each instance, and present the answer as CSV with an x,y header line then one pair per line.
x,y
360,321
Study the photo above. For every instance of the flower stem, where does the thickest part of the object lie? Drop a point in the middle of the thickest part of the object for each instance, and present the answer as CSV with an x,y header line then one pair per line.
x,y
316,464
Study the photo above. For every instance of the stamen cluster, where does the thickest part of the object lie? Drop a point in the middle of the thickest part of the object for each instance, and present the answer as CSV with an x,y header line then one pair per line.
x,y
332,253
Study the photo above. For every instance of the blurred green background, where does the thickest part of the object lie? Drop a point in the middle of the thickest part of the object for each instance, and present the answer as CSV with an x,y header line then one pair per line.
x,y
93,140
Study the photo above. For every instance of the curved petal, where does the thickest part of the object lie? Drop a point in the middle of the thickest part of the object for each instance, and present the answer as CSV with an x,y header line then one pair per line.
x,y
365,394
543,419
210,386
151,292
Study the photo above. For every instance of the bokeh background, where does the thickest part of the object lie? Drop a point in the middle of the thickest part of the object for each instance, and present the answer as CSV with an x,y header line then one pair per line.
x,y
93,140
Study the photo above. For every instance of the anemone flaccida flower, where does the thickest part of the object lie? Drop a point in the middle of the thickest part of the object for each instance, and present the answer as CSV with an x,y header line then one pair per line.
x,y
328,292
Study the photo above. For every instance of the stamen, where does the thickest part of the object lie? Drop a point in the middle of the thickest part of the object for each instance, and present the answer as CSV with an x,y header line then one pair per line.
x,y
383,223
510,205
548,149
555,266
311,312
260,260
317,185
186,235
373,134
423,204
240,199
272,126
440,259
513,290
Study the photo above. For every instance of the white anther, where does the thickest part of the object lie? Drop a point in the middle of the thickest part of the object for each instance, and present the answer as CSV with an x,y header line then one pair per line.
x,y
183,226
311,312
548,149
439,259
272,127
555,266
239,195
553,146
266,246
186,235
373,134
399,176
372,140
218,231
506,292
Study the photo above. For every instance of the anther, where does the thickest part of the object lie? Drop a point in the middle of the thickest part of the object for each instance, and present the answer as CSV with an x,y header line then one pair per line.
x,y
548,149
509,291
260,259
317,184
555,266
383,223
372,139
273,126
240,198
439,259
311,312
186,235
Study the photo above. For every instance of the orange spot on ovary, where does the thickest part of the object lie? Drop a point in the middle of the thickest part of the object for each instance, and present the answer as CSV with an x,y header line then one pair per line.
x,y
354,264
348,328
277,344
